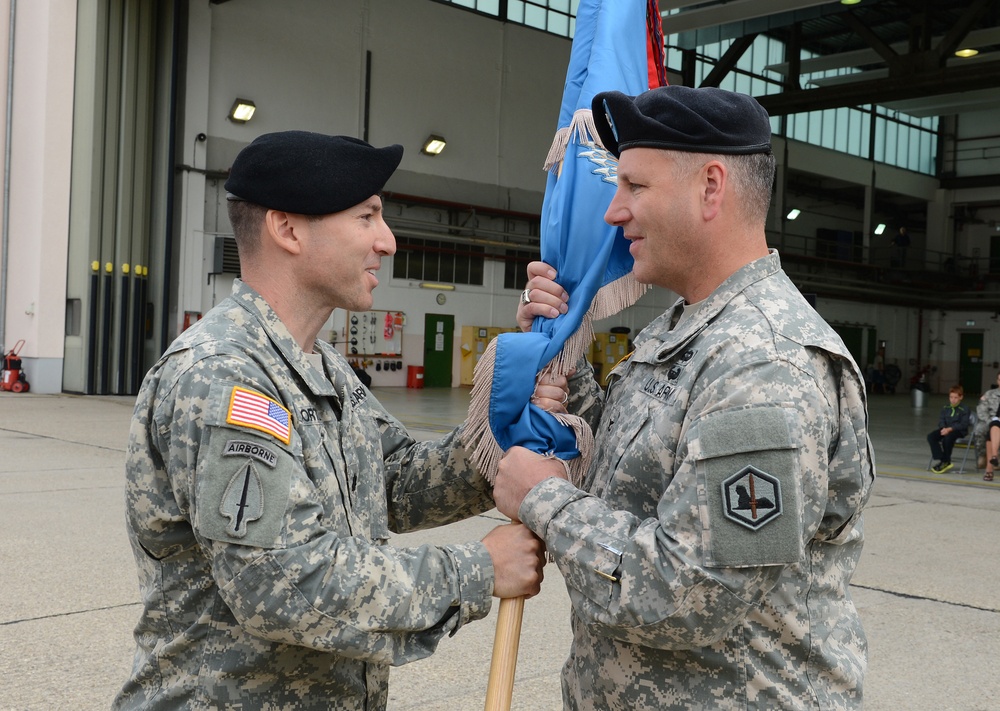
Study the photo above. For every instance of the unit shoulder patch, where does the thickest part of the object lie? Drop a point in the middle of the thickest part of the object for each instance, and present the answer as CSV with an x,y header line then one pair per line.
x,y
749,468
751,498
242,486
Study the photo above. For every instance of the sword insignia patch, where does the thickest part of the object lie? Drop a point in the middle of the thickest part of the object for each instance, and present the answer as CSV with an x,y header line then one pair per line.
x,y
243,500
751,498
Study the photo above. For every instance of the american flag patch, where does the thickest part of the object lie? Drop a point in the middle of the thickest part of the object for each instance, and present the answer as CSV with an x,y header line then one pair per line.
x,y
253,410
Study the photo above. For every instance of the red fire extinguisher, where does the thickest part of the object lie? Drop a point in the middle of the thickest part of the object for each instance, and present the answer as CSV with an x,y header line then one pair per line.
x,y
13,378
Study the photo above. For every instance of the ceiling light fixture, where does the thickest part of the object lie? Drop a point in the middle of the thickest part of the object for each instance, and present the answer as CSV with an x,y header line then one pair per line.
x,y
242,111
966,53
793,213
433,145
880,228
850,2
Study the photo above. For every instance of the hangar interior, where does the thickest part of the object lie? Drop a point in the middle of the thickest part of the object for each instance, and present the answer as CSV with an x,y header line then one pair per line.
x,y
879,124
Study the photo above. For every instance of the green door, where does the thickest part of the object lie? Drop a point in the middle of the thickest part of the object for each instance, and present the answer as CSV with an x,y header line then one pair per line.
x,y
439,335
970,362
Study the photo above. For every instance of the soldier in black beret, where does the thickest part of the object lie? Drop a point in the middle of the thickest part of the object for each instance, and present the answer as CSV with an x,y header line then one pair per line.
x,y
709,554
263,478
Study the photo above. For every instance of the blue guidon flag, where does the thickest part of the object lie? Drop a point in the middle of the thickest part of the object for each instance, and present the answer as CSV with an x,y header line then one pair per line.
x,y
618,45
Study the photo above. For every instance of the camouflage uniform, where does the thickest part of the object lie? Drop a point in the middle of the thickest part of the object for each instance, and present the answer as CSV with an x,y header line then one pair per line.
x,y
709,563
265,575
987,408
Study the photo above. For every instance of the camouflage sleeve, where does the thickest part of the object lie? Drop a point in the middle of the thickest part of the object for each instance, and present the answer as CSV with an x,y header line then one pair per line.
x,y
586,399
983,415
294,576
985,409
429,483
681,576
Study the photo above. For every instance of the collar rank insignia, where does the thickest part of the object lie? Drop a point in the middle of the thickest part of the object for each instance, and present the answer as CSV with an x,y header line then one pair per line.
x,y
243,500
751,498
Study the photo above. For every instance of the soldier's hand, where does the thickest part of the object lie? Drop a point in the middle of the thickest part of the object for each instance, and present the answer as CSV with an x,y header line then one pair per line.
x,y
551,392
518,558
518,473
546,297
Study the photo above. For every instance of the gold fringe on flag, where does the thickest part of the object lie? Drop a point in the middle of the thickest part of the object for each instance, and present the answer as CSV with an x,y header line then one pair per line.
x,y
478,437
581,128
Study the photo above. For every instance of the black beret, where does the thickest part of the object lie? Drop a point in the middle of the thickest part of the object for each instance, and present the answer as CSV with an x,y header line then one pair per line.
x,y
679,118
310,173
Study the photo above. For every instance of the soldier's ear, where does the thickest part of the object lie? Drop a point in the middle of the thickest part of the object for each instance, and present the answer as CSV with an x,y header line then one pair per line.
x,y
282,229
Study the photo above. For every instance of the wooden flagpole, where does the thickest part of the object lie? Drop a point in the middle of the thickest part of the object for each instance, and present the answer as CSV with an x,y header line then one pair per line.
x,y
500,689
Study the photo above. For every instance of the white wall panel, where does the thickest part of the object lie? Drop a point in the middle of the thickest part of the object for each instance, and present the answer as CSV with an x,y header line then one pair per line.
x,y
300,61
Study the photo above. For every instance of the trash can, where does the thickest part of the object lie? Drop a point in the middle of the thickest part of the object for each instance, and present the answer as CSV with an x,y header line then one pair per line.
x,y
414,376
919,397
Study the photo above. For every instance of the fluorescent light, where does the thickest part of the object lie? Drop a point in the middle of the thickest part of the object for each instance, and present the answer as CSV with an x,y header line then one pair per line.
x,y
880,228
966,53
436,285
242,110
433,145
793,213
850,2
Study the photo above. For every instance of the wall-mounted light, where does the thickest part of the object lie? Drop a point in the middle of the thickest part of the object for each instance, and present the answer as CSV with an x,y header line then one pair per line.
x,y
967,52
793,213
436,285
433,145
880,228
850,2
242,110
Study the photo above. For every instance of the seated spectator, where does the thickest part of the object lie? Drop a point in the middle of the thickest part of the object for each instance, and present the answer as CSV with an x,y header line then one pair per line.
x,y
992,444
987,408
953,424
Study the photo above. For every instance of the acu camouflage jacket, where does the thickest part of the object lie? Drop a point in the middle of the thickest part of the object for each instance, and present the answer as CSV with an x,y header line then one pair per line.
x,y
709,555
261,489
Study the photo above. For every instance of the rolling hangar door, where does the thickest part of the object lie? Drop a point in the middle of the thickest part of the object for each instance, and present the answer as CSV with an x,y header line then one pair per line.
x,y
117,264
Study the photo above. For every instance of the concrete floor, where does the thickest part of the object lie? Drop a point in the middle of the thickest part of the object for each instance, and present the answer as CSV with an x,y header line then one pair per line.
x,y
926,587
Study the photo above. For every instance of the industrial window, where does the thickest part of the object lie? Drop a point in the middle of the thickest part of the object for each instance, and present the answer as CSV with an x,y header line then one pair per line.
x,y
556,17
900,140
515,264
437,260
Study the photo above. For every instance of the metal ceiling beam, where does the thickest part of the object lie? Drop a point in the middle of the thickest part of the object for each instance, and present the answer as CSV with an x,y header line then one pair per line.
x,y
922,56
947,46
879,91
972,181
726,13
859,57
728,60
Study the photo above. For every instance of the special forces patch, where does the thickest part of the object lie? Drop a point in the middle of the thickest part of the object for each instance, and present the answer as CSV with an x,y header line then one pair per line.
x,y
751,498
243,500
